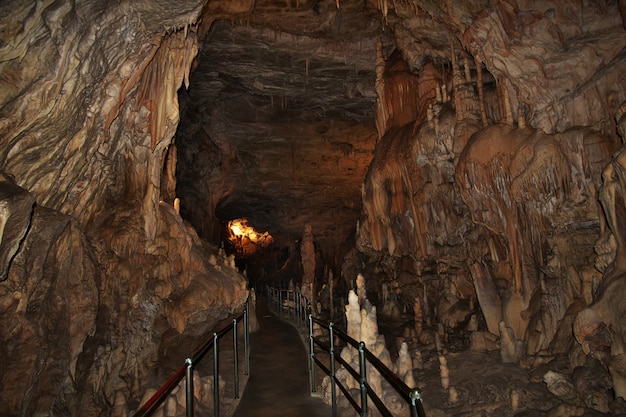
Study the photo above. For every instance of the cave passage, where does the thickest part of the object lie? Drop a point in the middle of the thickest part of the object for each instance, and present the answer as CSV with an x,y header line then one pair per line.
x,y
453,172
279,375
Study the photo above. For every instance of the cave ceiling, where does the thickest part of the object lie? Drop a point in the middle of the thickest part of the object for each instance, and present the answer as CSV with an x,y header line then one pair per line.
x,y
277,124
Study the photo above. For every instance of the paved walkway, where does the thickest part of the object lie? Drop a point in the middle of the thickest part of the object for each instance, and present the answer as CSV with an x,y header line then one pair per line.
x,y
278,384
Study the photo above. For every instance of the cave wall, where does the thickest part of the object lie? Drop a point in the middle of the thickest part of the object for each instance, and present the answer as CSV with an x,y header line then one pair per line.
x,y
490,193
99,275
495,122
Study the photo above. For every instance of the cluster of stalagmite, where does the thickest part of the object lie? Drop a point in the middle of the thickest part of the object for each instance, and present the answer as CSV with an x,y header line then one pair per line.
x,y
484,212
362,326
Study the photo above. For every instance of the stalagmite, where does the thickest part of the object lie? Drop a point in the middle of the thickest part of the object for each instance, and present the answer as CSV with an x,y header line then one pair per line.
x,y
514,400
360,288
444,372
508,114
466,67
521,117
418,362
405,366
429,116
308,264
418,315
353,316
453,396
120,406
508,344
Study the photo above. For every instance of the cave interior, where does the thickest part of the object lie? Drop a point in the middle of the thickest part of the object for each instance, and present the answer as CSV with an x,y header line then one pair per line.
x,y
462,163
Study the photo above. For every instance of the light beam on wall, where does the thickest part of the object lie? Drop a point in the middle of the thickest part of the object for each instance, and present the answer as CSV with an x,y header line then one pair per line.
x,y
246,239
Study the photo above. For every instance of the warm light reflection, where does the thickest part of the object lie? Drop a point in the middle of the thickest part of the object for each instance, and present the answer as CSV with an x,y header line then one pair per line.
x,y
245,238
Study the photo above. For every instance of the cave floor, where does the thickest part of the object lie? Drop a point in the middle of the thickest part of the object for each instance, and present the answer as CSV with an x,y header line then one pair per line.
x,y
278,383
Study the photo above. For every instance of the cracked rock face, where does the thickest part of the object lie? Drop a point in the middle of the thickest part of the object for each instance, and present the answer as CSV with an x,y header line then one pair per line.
x,y
451,151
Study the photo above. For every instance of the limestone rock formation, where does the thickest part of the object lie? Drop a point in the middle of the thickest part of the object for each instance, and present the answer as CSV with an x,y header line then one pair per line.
x,y
453,151
600,328
98,276
49,300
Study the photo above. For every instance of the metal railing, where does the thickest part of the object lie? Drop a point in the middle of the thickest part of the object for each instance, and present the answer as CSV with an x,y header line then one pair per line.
x,y
294,306
289,304
186,371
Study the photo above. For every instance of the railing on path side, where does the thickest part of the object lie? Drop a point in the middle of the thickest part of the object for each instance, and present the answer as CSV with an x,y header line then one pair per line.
x,y
186,371
294,306
289,304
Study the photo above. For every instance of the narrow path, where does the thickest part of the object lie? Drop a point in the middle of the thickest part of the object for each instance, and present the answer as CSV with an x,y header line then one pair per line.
x,y
278,384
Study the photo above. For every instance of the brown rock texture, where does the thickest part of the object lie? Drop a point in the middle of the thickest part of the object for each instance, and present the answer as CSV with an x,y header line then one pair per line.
x,y
466,154
97,275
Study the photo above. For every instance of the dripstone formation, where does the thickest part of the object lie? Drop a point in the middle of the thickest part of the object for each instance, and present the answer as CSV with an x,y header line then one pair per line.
x,y
464,158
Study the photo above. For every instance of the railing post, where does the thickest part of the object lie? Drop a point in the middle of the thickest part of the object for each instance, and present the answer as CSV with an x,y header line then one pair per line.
x,y
363,373
280,302
189,387
311,355
298,311
236,358
302,313
216,376
246,340
287,305
417,409
333,388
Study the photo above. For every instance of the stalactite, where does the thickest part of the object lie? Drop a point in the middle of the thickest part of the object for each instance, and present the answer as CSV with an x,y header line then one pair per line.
x,y
168,186
307,62
382,114
383,6
456,73
481,92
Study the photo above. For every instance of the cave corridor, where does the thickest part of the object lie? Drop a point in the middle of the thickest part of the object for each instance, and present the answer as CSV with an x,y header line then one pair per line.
x,y
458,164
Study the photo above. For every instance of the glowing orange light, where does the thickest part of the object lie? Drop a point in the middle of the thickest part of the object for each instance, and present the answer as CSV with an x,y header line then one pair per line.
x,y
245,237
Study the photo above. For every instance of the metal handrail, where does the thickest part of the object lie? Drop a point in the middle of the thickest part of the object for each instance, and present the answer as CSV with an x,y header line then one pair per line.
x,y
186,370
412,396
